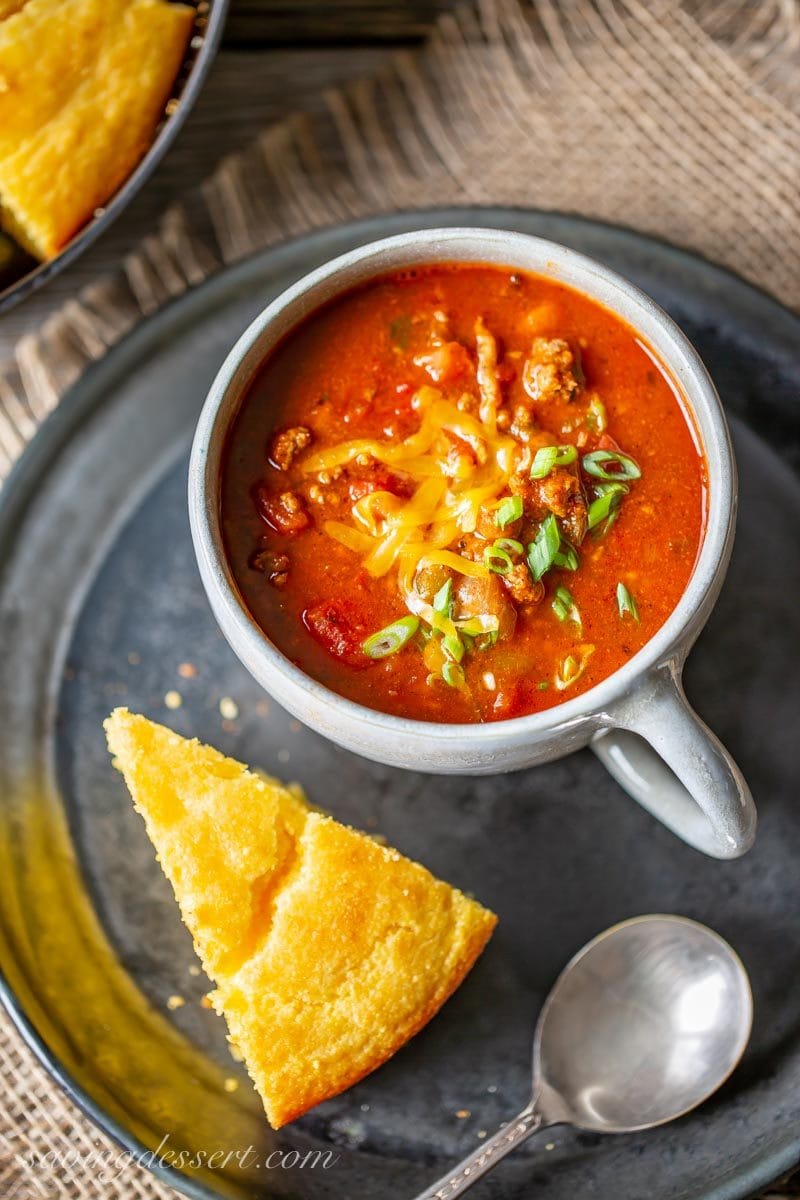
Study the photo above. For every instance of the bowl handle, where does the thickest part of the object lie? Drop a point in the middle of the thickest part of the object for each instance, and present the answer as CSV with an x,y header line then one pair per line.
x,y
664,756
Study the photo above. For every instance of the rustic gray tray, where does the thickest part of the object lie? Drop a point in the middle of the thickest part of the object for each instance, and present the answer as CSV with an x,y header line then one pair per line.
x,y
100,603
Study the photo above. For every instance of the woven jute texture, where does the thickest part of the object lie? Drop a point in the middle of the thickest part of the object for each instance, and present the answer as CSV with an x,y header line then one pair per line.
x,y
679,119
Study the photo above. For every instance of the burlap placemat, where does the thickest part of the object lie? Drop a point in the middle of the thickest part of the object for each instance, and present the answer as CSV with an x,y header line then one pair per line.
x,y
680,119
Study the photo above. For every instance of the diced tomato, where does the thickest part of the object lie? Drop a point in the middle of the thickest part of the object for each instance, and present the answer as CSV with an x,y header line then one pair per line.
x,y
285,512
447,362
329,625
606,442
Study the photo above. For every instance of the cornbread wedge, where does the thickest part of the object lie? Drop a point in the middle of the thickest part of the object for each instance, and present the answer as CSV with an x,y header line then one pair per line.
x,y
328,950
82,86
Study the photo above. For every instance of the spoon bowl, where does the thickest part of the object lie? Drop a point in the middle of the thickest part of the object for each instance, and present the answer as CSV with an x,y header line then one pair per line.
x,y
641,1026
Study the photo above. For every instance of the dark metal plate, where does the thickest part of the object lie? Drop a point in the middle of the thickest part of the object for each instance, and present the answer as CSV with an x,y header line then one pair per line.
x,y
100,603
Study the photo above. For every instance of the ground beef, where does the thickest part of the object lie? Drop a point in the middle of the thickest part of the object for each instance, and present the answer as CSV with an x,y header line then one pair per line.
x,y
551,372
287,444
521,586
273,564
560,493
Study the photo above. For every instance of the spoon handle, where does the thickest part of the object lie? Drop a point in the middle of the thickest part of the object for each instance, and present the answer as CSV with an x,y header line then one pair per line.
x,y
456,1182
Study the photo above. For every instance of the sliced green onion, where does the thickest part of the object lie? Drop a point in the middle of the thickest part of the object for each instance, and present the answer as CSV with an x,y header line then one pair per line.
x,y
509,545
568,671
497,560
606,504
567,557
572,667
626,602
443,600
544,548
482,623
485,641
453,647
391,639
596,417
548,457
564,606
625,467
542,685
544,461
602,489
453,675
508,510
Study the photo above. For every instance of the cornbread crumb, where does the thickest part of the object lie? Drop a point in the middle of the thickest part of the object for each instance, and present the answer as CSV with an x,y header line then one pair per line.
x,y
228,708
175,1002
173,699
231,1084
194,970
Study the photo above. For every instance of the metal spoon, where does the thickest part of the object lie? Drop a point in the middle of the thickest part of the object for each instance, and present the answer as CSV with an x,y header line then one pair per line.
x,y
642,1025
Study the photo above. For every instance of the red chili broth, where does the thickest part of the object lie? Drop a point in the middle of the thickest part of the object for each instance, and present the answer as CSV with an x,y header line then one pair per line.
x,y
347,372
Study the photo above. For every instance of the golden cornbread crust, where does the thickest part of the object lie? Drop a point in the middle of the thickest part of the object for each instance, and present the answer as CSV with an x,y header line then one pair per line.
x,y
328,950
83,84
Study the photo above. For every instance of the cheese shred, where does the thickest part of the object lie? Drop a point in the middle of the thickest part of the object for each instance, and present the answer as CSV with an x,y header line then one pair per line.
x,y
449,489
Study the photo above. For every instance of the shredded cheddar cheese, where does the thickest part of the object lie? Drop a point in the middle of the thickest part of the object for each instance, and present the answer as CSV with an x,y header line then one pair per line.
x,y
449,490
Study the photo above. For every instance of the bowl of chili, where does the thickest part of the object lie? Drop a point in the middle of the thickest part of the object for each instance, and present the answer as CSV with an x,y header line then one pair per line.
x,y
462,500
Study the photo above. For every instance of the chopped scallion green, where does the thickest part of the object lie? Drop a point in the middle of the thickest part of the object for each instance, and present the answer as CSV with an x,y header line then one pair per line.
x,y
475,626
508,510
391,639
544,548
509,545
548,457
596,417
453,647
443,600
626,603
497,560
564,606
611,464
567,557
606,504
453,675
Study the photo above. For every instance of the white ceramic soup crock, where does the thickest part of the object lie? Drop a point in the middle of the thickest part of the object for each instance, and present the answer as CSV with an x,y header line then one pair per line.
x,y
637,721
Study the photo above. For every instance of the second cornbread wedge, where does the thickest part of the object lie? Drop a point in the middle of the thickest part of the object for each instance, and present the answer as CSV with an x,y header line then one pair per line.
x,y
328,950
83,84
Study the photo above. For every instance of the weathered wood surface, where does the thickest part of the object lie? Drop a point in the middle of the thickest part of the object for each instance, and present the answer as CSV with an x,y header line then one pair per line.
x,y
303,21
